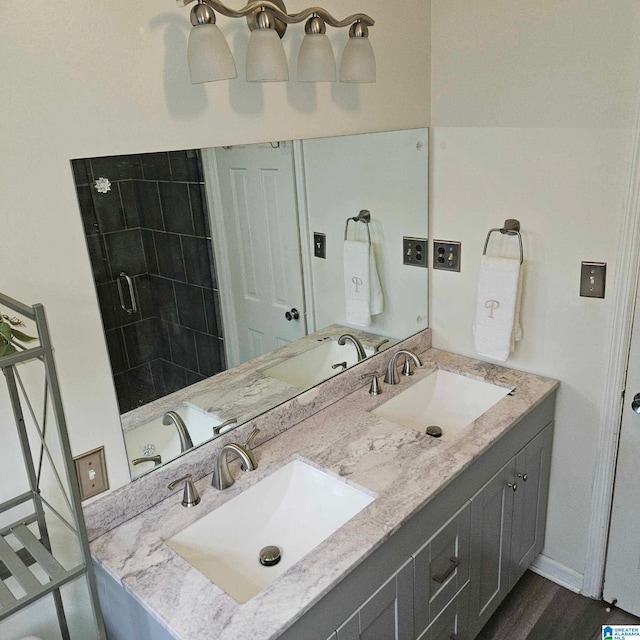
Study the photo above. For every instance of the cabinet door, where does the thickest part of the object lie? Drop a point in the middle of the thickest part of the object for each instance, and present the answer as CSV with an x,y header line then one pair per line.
x,y
530,503
491,516
441,569
452,623
387,614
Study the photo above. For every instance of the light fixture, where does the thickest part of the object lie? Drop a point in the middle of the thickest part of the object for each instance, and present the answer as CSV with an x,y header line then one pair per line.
x,y
266,60
316,62
210,57
358,62
208,52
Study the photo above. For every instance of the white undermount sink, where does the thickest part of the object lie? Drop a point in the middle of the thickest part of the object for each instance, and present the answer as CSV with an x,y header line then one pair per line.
x,y
448,400
315,365
295,508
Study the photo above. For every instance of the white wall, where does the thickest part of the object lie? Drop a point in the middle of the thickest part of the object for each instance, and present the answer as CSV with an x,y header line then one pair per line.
x,y
387,174
532,106
91,79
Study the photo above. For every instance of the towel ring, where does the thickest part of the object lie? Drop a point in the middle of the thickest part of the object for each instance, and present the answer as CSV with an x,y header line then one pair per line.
x,y
363,216
511,228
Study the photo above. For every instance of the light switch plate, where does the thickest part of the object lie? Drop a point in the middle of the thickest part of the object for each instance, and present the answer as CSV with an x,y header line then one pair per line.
x,y
319,245
91,469
593,277
446,255
414,251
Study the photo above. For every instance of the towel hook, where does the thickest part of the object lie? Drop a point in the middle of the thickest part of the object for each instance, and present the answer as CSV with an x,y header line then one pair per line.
x,y
511,228
363,216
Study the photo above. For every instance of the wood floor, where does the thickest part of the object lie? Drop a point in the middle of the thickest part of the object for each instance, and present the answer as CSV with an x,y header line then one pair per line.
x,y
538,609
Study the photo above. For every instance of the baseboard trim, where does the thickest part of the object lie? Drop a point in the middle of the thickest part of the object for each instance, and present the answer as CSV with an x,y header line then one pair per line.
x,y
558,573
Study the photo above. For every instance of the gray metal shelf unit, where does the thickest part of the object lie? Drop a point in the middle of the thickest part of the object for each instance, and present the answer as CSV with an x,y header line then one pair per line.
x,y
33,545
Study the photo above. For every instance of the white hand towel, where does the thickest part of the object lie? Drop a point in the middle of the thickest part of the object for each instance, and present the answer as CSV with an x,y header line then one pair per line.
x,y
497,322
363,293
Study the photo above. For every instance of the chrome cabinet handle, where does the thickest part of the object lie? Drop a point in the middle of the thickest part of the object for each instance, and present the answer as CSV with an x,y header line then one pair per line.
x,y
134,307
635,404
523,476
294,314
455,563
512,485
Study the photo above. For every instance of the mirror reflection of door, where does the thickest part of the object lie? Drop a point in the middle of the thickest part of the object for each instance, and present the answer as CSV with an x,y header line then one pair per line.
x,y
256,212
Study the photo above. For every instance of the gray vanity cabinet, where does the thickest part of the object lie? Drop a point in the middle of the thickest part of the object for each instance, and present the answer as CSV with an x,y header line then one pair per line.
x,y
533,465
441,568
453,622
508,517
491,517
386,615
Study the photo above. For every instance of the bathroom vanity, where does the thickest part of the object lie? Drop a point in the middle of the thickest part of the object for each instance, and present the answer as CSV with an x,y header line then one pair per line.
x,y
453,526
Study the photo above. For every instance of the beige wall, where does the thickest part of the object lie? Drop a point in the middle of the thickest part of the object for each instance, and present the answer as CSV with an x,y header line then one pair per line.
x,y
90,79
532,110
531,106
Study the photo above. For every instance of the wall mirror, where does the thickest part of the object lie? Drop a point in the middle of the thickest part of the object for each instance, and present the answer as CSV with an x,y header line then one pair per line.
x,y
223,279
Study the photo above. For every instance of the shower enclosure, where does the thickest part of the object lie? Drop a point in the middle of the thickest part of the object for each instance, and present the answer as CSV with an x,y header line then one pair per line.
x,y
147,230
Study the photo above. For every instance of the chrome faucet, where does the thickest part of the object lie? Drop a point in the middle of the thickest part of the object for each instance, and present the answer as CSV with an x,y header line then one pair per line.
x,y
222,478
185,439
391,376
347,337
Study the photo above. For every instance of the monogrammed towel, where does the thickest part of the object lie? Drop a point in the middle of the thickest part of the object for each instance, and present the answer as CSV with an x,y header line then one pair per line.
x,y
497,323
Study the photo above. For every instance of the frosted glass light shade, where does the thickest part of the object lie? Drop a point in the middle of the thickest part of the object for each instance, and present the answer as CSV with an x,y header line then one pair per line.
x,y
266,60
316,62
358,63
209,55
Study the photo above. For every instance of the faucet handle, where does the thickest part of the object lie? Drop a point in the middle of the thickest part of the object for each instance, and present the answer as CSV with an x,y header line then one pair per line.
x,y
217,430
190,497
374,389
247,446
157,459
376,349
407,368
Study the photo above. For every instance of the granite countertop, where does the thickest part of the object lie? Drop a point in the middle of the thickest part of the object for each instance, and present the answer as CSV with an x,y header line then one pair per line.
x,y
245,391
404,468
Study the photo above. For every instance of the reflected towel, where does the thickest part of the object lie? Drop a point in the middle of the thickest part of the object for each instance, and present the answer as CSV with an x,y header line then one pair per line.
x,y
497,323
363,293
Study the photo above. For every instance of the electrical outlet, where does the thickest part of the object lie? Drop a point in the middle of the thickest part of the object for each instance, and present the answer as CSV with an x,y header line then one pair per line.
x,y
593,276
414,251
319,245
446,255
91,469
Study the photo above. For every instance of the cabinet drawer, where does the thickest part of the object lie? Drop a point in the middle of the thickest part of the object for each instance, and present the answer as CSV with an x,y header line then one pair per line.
x,y
386,615
441,569
452,623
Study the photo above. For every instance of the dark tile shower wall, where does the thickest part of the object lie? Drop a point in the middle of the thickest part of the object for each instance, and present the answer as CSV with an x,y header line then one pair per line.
x,y
153,225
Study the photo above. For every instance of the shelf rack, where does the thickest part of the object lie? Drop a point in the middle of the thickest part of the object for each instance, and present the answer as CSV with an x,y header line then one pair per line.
x,y
32,545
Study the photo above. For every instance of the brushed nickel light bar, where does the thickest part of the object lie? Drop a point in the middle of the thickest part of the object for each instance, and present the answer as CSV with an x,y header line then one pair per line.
x,y
210,58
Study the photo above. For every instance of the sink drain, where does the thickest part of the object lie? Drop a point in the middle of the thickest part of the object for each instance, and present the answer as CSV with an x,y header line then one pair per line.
x,y
434,431
270,555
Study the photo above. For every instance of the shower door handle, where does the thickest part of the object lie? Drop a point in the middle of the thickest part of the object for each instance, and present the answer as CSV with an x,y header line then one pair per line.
x,y
132,296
